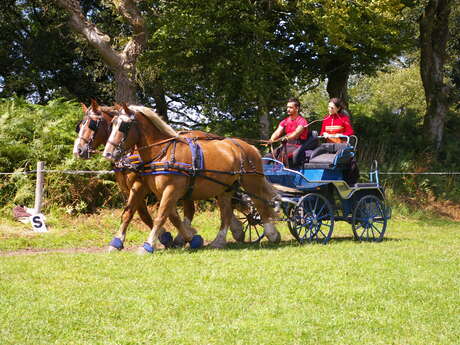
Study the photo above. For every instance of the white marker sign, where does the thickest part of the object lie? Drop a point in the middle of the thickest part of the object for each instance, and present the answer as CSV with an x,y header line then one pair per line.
x,y
38,223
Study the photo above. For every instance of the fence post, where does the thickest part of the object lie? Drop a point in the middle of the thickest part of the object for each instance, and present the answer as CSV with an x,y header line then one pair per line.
x,y
39,187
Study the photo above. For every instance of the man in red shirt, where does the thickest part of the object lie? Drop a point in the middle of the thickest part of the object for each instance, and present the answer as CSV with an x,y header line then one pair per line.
x,y
294,129
293,126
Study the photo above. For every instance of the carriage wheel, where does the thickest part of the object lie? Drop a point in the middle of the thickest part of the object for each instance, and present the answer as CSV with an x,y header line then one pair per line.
x,y
252,226
312,219
250,219
369,220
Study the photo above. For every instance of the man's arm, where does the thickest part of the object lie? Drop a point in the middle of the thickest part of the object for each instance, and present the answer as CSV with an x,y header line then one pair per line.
x,y
296,133
278,133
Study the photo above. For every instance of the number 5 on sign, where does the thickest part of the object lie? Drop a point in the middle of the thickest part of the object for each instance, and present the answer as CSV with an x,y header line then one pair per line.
x,y
38,223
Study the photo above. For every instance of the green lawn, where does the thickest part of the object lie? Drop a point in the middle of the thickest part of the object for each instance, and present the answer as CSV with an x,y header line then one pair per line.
x,y
405,290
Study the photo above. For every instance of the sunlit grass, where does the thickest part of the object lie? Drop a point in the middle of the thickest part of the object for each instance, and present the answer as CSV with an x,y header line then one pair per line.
x,y
404,290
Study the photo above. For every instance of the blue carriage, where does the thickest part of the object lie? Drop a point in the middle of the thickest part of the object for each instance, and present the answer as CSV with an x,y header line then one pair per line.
x,y
315,195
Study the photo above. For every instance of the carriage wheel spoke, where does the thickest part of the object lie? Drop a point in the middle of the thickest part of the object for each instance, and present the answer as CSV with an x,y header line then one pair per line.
x,y
376,229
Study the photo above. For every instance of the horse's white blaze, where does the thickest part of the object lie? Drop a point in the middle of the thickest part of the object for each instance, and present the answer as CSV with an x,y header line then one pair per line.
x,y
77,140
109,147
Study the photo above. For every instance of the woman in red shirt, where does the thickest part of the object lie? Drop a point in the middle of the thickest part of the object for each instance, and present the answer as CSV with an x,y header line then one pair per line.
x,y
339,123
336,122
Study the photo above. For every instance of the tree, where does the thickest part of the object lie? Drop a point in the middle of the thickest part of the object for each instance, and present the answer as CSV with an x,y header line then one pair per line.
x,y
434,35
218,59
119,53
40,59
355,37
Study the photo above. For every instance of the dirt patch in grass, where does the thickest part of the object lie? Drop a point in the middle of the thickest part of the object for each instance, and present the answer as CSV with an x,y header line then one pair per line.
x,y
36,251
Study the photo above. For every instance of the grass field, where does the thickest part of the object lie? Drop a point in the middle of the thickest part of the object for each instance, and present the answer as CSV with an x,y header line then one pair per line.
x,y
405,290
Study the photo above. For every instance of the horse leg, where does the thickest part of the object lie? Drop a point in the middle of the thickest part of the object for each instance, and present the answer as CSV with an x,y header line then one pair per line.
x,y
264,193
236,227
135,200
224,203
189,212
166,209
140,190
195,240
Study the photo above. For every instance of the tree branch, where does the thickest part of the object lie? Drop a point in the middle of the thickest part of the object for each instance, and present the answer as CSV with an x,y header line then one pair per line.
x,y
99,40
132,14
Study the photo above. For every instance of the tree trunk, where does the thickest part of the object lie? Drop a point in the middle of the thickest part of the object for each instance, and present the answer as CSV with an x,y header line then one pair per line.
x,y
264,122
159,96
337,80
121,63
125,87
434,33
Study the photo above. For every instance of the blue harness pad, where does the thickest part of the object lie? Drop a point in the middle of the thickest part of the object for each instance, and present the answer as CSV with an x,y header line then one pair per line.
x,y
177,168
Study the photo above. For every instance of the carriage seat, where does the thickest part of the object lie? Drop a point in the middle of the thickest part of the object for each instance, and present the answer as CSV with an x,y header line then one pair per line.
x,y
330,156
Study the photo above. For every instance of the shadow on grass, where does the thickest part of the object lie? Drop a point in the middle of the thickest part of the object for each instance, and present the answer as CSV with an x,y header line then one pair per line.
x,y
265,245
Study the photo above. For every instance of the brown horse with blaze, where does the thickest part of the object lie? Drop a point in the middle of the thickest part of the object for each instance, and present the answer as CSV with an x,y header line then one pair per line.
x,y
93,131
226,162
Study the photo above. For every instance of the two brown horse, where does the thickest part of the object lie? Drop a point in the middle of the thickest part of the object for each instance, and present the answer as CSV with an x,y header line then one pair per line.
x,y
93,131
176,173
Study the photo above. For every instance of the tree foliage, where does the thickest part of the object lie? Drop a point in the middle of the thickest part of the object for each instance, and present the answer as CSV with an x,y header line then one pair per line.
x,y
31,133
41,59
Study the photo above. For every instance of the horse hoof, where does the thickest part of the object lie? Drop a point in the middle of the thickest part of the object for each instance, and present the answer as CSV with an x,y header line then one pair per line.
x,y
116,243
145,249
166,239
196,242
238,236
141,251
179,242
111,249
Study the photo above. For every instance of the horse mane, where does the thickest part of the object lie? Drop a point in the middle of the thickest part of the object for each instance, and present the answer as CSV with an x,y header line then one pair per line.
x,y
154,119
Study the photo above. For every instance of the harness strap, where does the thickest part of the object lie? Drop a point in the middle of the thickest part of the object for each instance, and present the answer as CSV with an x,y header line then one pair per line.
x,y
196,168
197,164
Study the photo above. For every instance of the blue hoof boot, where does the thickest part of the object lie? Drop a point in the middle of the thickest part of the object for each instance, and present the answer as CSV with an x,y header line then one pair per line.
x,y
166,239
196,242
116,243
148,248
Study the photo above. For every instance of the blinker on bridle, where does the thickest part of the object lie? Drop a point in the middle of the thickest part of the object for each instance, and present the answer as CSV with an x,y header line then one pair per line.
x,y
93,125
124,128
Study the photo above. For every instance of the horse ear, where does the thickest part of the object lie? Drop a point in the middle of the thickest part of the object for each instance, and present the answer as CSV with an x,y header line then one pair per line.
x,y
127,110
84,107
94,104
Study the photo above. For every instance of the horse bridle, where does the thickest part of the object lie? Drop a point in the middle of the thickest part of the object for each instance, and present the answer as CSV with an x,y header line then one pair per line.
x,y
93,125
124,128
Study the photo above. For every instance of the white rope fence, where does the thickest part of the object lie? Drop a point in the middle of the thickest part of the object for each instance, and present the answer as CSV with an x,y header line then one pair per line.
x,y
70,172
101,172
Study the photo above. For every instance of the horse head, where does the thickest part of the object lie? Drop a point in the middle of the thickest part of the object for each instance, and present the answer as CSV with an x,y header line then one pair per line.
x,y
124,134
92,130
